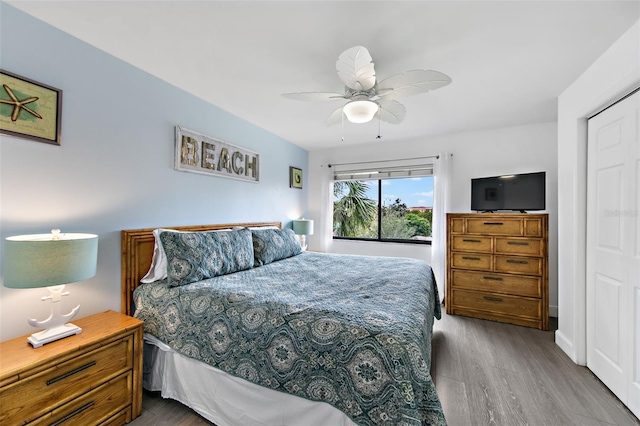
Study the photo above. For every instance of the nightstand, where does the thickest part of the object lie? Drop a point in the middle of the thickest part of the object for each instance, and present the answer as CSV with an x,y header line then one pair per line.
x,y
91,378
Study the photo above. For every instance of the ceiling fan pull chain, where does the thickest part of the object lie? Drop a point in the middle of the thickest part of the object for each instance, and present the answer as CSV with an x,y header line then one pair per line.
x,y
342,116
379,137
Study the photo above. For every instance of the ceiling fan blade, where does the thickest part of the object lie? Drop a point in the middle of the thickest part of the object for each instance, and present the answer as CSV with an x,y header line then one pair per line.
x,y
314,96
391,112
335,117
411,83
355,69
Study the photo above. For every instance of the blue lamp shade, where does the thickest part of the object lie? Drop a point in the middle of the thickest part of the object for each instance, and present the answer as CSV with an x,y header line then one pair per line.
x,y
43,260
303,227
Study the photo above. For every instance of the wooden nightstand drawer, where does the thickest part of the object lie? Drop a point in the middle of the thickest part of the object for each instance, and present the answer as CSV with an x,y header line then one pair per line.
x,y
474,261
94,407
473,244
497,283
119,419
494,226
519,265
523,246
497,303
64,381
95,375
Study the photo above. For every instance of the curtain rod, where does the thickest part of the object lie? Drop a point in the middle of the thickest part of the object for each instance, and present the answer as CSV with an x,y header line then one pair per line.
x,y
384,161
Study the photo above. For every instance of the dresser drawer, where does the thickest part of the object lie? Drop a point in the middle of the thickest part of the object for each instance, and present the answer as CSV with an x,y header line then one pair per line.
x,y
94,407
471,261
495,226
456,226
471,243
534,227
497,283
519,265
497,303
524,246
34,395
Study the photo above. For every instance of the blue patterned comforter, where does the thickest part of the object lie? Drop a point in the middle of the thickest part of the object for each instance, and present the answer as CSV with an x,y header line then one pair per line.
x,y
352,331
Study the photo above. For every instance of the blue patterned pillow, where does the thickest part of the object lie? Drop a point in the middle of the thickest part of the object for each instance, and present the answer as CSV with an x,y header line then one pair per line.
x,y
195,256
270,245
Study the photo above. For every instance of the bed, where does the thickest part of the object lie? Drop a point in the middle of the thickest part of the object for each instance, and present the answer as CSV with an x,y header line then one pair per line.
x,y
282,339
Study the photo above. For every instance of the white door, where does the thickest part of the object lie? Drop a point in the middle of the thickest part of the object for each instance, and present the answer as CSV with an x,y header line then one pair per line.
x,y
613,249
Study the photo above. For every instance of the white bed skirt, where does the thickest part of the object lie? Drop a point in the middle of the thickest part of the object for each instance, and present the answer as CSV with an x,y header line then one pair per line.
x,y
227,400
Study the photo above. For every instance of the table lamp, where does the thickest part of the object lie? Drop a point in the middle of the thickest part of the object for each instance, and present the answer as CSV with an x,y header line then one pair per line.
x,y
303,227
50,260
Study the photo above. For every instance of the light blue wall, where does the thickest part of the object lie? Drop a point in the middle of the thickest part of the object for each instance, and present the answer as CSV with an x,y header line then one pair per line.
x,y
114,169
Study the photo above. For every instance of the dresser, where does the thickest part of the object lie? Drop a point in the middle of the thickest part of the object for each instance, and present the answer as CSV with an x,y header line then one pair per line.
x,y
497,267
88,379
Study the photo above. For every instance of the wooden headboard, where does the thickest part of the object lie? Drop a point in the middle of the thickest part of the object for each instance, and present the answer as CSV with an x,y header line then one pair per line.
x,y
137,252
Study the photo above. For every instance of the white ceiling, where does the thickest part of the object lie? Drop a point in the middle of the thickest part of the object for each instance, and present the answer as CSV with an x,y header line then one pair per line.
x,y
509,60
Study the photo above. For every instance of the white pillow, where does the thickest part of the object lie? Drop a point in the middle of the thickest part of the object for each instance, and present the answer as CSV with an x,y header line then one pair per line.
x,y
158,269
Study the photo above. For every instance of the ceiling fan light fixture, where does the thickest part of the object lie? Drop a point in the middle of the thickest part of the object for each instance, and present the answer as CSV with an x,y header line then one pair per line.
x,y
366,96
360,111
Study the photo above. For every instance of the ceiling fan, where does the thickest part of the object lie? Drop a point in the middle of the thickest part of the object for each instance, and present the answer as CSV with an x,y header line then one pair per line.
x,y
366,96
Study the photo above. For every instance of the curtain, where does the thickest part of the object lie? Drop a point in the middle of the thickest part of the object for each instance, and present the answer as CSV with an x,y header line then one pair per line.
x,y
441,206
327,213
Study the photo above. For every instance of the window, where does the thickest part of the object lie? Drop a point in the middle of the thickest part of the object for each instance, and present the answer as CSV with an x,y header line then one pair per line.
x,y
391,209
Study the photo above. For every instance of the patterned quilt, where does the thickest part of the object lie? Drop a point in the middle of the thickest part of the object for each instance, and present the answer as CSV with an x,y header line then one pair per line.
x,y
352,331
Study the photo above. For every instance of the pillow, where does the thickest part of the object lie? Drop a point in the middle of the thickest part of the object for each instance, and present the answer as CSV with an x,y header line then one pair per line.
x,y
255,227
270,245
195,256
158,269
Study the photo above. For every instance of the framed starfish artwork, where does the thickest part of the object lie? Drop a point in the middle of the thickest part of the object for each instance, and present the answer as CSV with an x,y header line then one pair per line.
x,y
29,109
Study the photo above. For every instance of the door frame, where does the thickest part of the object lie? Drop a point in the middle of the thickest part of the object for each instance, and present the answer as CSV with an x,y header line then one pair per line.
x,y
576,347
612,372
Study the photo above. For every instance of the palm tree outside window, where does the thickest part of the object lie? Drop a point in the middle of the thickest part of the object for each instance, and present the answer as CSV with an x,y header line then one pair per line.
x,y
388,210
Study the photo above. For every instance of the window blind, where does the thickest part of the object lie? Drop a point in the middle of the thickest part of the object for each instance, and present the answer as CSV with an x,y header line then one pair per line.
x,y
386,169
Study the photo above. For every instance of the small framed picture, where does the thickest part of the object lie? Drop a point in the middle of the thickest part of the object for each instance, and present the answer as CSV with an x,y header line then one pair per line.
x,y
295,177
29,109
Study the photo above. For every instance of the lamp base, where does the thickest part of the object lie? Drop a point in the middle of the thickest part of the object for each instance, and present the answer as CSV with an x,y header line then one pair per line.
x,y
52,334
55,324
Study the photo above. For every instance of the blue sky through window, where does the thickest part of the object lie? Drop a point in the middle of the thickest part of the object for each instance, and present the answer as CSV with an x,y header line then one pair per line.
x,y
414,192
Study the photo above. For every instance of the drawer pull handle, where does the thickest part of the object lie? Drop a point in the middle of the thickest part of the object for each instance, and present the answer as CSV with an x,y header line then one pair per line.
x,y
494,223
518,262
493,278
466,240
70,373
517,243
493,299
470,258
74,413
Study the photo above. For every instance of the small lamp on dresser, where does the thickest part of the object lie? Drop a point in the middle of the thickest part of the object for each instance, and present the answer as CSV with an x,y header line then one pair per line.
x,y
50,260
303,227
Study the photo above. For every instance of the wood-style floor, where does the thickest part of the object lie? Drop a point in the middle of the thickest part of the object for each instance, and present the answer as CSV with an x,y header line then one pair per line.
x,y
486,373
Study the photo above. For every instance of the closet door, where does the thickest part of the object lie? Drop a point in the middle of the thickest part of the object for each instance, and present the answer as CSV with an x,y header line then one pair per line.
x,y
613,249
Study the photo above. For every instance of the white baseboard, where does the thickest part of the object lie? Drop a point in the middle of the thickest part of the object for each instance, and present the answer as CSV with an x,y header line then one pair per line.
x,y
565,344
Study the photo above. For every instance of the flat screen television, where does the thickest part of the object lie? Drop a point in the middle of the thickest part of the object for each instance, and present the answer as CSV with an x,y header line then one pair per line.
x,y
521,192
